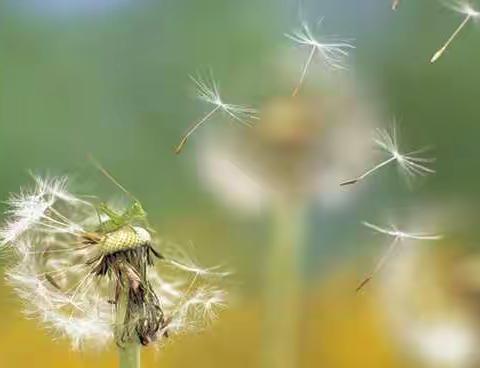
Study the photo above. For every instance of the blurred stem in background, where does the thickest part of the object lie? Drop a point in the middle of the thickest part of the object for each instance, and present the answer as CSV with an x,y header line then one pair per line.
x,y
283,285
277,165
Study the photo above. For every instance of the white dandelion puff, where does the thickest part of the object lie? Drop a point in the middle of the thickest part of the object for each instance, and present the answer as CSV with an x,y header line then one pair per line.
x,y
209,91
177,257
73,267
462,7
33,208
333,51
199,307
409,163
82,319
397,237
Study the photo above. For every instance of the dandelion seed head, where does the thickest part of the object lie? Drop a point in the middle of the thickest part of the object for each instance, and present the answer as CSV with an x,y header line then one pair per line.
x,y
333,50
209,91
471,11
409,163
57,275
463,7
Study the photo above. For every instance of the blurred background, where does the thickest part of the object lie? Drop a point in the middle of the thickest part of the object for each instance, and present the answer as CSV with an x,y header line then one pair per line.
x,y
111,78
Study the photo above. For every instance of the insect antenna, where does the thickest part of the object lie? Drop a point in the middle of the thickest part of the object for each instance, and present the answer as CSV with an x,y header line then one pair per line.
x,y
109,176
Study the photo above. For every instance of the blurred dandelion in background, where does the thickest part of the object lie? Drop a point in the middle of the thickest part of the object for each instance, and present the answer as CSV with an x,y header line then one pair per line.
x,y
92,273
431,300
291,151
279,168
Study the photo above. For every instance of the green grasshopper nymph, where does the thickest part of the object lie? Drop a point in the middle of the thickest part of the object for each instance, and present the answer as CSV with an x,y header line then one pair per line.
x,y
124,252
115,221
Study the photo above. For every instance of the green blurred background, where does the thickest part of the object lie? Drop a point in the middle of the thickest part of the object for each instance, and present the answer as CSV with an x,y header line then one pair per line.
x,y
110,78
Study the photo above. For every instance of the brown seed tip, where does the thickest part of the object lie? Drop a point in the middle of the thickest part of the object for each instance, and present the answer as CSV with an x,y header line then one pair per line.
x,y
363,283
180,146
437,55
349,182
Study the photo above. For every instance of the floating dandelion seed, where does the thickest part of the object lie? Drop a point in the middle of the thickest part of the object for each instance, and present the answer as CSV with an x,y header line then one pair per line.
x,y
398,236
409,163
92,273
209,92
395,4
463,8
333,51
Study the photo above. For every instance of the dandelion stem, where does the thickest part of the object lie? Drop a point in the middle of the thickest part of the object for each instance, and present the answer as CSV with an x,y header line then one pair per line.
x,y
439,53
128,351
193,128
283,286
305,70
129,356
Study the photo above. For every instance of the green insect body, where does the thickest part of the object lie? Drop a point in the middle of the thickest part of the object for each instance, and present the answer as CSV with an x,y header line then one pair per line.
x,y
115,221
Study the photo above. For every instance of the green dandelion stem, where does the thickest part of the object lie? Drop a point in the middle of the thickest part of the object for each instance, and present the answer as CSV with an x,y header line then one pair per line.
x,y
128,353
129,356
283,286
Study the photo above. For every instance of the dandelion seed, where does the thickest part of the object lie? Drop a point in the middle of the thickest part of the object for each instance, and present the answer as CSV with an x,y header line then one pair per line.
x,y
27,208
97,277
395,4
398,236
209,92
333,51
466,9
409,163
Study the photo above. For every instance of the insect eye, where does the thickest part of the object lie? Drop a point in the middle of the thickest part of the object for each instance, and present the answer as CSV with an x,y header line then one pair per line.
x,y
138,208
